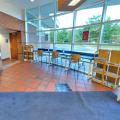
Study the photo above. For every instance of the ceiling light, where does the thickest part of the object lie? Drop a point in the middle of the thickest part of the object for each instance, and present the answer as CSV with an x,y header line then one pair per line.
x,y
74,2
32,0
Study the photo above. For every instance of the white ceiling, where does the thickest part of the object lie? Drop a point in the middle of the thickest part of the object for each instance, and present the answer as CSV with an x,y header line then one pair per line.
x,y
16,7
27,3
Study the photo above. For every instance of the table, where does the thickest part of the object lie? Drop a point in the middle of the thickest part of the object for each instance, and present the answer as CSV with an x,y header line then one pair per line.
x,y
49,54
90,64
66,55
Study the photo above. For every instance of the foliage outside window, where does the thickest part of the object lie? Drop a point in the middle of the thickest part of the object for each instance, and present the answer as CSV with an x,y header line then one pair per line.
x,y
94,30
64,36
111,33
88,19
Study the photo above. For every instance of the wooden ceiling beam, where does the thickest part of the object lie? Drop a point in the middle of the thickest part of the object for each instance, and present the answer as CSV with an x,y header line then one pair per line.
x,y
63,5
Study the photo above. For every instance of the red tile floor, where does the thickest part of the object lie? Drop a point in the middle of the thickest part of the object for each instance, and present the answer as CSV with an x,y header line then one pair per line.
x,y
29,77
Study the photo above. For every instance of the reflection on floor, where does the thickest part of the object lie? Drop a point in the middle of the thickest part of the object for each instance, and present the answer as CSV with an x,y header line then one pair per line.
x,y
42,77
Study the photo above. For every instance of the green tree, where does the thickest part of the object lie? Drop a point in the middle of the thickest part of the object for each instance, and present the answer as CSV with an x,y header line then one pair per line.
x,y
111,32
51,36
64,36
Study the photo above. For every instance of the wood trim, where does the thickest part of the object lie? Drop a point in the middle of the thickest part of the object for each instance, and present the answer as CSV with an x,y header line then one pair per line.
x,y
63,5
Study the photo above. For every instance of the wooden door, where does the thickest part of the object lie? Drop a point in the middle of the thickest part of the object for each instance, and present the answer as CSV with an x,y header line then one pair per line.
x,y
13,46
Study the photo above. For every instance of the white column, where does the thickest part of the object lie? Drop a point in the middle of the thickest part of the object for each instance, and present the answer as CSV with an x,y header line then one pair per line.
x,y
73,31
102,25
55,23
26,27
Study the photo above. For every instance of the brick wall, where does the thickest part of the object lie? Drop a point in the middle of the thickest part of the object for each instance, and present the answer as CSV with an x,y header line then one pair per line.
x,y
9,22
12,23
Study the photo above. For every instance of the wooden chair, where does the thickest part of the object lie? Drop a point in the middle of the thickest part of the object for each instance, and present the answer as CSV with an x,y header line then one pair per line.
x,y
113,69
100,65
55,56
40,54
75,58
103,55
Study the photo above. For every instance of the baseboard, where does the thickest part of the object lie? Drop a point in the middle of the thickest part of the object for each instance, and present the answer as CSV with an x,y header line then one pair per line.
x,y
5,59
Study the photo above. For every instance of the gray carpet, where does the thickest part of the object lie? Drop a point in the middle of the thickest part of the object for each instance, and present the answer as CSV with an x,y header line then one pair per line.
x,y
59,106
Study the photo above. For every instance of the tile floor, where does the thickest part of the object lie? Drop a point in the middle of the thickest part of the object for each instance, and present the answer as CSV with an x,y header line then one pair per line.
x,y
34,77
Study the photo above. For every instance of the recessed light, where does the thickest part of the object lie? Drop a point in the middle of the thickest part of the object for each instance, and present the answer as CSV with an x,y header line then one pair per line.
x,y
32,0
74,2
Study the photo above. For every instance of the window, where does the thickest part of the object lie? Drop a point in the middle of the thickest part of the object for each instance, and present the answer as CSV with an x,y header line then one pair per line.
x,y
47,10
94,31
112,10
32,32
85,48
33,13
111,34
89,16
110,47
64,21
47,24
64,36
46,37
64,39
46,29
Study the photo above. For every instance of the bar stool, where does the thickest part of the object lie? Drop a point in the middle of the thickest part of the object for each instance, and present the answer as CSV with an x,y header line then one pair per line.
x,y
40,55
75,59
55,56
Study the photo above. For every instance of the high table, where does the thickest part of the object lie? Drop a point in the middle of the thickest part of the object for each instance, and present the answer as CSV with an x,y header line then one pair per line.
x,y
87,57
67,56
90,62
49,54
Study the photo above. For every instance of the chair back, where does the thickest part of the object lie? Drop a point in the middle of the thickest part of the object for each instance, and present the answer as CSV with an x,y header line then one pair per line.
x,y
40,52
75,58
104,54
55,54
115,57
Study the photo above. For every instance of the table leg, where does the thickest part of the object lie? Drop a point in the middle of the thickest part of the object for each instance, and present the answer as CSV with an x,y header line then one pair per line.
x,y
89,71
66,68
49,60
118,97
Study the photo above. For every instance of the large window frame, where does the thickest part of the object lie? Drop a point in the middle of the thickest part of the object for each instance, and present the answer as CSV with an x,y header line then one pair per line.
x,y
74,27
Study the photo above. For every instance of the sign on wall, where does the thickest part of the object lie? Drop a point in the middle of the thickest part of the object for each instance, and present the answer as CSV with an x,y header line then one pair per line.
x,y
85,36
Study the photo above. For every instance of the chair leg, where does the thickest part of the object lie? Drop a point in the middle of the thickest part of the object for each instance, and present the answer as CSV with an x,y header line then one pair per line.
x,y
61,61
84,68
78,66
74,66
41,58
38,59
69,64
57,61
46,58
